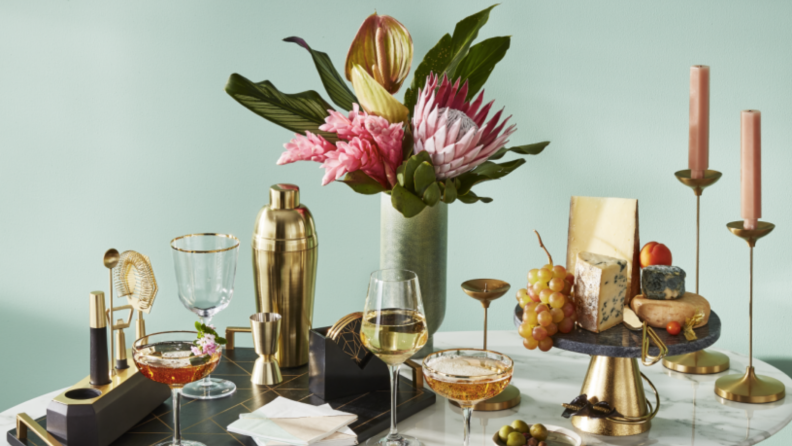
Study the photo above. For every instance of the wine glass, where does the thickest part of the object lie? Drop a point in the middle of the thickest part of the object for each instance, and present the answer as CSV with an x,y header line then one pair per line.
x,y
167,358
205,268
468,376
394,328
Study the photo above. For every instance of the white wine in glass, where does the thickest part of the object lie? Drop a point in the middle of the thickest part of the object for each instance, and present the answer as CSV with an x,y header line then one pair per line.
x,y
394,328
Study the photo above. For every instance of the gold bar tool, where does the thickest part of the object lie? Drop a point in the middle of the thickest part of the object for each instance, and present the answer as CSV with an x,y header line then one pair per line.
x,y
266,328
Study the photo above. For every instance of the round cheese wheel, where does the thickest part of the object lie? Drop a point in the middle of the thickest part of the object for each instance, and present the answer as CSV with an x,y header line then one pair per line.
x,y
658,313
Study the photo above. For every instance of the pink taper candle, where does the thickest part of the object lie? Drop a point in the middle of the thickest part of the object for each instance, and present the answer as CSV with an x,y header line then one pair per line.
x,y
751,167
698,149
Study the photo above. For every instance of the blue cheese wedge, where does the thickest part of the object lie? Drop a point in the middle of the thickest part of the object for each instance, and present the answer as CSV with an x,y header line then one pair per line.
x,y
663,282
600,290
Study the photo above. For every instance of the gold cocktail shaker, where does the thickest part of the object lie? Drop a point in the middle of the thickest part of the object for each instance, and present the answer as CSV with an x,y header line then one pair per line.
x,y
284,269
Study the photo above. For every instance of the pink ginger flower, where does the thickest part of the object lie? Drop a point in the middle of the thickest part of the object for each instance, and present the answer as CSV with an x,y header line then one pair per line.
x,y
451,129
368,143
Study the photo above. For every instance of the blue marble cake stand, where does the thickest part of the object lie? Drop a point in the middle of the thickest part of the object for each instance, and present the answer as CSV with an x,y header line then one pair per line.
x,y
613,374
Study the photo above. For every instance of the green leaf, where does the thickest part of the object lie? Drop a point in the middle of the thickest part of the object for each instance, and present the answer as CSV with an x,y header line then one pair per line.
x,y
477,66
432,194
199,326
300,112
436,60
470,198
405,202
362,183
446,54
486,172
528,149
400,172
411,165
335,85
465,33
424,176
450,192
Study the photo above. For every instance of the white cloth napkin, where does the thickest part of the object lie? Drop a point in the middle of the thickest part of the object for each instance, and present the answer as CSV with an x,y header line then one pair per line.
x,y
287,422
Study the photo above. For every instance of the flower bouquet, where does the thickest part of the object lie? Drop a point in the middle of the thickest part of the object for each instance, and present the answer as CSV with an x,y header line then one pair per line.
x,y
435,146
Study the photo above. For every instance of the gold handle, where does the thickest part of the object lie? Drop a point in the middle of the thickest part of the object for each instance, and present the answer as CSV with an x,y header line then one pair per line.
x,y
417,373
645,418
24,422
648,334
230,335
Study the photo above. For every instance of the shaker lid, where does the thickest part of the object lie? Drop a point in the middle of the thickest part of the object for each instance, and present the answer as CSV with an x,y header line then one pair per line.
x,y
284,224
284,196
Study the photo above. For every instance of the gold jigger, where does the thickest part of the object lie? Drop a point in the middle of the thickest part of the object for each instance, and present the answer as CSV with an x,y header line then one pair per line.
x,y
750,387
485,291
702,362
266,329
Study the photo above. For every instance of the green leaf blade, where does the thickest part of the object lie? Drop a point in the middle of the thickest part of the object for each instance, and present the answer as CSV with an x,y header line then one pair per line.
x,y
406,202
465,33
334,84
300,112
361,183
528,149
478,64
436,61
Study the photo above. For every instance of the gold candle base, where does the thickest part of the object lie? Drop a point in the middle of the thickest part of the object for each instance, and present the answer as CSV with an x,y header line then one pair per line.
x,y
617,381
703,362
750,387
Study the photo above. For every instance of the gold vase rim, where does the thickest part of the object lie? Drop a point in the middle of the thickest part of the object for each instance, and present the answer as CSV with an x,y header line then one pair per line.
x,y
507,371
206,234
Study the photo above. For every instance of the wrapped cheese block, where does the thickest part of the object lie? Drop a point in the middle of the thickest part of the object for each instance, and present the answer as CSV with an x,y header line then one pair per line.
x,y
600,291
663,282
658,313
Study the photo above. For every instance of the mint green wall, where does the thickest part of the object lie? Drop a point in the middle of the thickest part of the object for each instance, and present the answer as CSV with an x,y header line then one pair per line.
x,y
115,131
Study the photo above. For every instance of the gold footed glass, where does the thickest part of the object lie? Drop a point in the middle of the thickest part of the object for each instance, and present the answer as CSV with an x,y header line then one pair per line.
x,y
394,328
750,387
701,362
468,377
485,291
167,358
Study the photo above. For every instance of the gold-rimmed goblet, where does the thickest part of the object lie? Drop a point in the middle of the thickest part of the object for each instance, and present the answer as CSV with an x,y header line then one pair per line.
x,y
468,376
167,358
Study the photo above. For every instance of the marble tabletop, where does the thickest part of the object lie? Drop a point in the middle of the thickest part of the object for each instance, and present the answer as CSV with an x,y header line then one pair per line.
x,y
690,412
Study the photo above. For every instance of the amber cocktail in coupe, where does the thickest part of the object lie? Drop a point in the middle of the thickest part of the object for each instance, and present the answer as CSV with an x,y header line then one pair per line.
x,y
468,376
169,358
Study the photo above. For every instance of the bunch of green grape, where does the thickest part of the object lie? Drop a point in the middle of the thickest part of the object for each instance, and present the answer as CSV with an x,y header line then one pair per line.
x,y
547,307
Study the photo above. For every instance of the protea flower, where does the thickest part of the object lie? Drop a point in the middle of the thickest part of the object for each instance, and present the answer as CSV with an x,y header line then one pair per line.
x,y
451,129
384,48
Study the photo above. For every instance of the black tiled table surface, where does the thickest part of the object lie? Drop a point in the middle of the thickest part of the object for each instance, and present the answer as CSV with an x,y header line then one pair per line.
x,y
206,421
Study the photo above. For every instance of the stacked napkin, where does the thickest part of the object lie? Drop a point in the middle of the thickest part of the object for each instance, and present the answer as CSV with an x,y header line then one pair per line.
x,y
287,422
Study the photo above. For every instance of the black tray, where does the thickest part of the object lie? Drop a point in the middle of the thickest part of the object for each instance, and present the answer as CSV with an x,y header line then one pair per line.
x,y
206,421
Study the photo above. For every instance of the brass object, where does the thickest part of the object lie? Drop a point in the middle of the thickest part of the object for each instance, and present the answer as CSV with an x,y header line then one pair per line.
x,y
100,391
750,387
110,261
97,311
134,279
617,381
417,373
632,322
25,423
703,362
266,328
229,335
485,291
120,340
338,327
284,265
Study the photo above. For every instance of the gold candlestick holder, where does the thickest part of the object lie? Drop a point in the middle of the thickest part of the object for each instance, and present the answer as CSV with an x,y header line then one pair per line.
x,y
701,362
485,291
750,387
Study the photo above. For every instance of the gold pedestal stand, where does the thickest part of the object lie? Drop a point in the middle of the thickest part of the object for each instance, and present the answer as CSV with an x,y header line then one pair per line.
x,y
617,381
750,387
485,291
701,362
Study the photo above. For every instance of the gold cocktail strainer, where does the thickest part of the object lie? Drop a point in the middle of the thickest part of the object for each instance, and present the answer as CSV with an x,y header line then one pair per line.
x,y
134,279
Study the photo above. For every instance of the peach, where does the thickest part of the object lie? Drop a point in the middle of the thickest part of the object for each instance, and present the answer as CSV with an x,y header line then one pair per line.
x,y
654,253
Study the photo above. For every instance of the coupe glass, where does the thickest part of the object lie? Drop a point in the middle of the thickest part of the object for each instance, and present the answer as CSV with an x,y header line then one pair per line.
x,y
166,358
394,328
205,268
468,376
